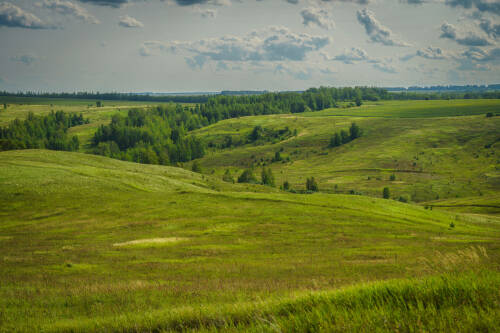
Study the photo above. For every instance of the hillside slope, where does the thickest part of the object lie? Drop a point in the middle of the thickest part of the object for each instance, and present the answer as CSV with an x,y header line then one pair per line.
x,y
429,158
89,239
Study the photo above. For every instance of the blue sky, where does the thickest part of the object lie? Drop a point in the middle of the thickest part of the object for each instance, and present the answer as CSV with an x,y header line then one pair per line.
x,y
212,45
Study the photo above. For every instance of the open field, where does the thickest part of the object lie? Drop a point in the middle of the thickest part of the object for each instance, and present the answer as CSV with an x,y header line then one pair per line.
x,y
417,109
90,243
80,241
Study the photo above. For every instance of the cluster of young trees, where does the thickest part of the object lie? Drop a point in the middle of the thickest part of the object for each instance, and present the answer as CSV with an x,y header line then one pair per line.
x,y
312,185
343,137
247,176
42,132
156,136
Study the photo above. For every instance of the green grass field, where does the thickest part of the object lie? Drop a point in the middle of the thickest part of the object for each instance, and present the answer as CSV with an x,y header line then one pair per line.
x,y
90,243
432,159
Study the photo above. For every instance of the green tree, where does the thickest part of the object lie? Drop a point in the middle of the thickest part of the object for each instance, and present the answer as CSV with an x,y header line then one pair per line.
x,y
98,104
196,167
385,193
227,177
247,176
344,136
354,131
286,185
267,177
277,157
311,185
392,177
5,106
335,141
358,101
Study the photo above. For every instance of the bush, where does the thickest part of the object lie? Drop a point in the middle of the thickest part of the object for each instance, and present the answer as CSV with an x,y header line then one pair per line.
x,y
227,177
247,176
385,193
196,167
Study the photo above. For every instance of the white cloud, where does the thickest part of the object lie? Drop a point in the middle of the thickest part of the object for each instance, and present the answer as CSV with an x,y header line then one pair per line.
x,y
377,32
317,16
273,44
66,7
130,22
15,17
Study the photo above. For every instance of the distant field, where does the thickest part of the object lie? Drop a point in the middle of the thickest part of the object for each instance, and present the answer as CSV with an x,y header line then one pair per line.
x,y
90,243
416,109
430,158
19,107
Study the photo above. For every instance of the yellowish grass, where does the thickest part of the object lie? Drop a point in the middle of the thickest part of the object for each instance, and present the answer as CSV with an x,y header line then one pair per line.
x,y
150,242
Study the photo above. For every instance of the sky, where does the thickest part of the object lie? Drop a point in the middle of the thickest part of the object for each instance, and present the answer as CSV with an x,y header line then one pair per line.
x,y
275,45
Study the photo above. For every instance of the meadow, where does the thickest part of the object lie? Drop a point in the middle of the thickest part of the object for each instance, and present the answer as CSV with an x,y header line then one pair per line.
x,y
90,243
431,159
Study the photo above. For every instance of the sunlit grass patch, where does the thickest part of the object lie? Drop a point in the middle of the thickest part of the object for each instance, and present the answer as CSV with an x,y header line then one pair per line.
x,y
151,242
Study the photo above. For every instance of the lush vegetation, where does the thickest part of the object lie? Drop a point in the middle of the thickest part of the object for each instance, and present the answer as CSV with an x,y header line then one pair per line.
x,y
91,243
45,132
155,136
117,246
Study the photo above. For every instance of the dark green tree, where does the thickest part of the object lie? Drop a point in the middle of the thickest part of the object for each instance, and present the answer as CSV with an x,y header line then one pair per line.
x,y
277,157
247,176
267,177
286,185
196,167
344,137
311,185
354,131
385,193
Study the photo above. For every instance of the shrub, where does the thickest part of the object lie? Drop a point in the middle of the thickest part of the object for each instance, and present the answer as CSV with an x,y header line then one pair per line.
x,y
385,193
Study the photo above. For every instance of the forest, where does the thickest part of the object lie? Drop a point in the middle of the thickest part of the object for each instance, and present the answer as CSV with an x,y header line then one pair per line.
x,y
156,136
42,132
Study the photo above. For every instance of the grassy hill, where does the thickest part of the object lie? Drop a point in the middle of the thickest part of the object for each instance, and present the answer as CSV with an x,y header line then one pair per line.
x,y
433,156
91,243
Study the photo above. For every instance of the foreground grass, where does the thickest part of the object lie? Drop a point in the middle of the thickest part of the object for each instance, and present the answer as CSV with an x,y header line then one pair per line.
x,y
89,242
468,302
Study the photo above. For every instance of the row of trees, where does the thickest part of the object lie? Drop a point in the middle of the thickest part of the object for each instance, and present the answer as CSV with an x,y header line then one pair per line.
x,y
344,137
223,107
156,136
42,132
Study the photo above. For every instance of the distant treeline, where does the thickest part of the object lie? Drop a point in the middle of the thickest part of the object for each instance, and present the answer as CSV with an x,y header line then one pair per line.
x,y
444,95
113,96
224,107
452,88
41,132
156,136
311,99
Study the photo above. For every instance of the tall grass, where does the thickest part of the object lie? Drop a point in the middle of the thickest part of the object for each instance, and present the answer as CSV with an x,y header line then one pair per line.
x,y
465,298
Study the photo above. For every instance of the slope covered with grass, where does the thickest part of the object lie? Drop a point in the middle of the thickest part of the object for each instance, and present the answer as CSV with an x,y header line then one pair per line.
x,y
87,240
429,158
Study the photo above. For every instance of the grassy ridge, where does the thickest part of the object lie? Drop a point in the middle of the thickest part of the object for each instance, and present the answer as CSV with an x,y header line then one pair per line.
x,y
431,158
88,240
416,109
